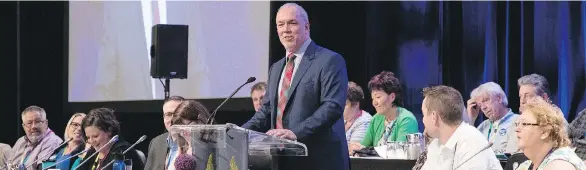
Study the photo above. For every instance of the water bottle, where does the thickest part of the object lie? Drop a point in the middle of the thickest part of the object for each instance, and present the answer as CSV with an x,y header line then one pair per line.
x,y
118,162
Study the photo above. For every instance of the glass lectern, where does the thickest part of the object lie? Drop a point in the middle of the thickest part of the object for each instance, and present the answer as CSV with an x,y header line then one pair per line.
x,y
227,147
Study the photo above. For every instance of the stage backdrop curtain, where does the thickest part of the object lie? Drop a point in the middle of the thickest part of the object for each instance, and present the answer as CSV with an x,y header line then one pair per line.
x,y
460,44
502,41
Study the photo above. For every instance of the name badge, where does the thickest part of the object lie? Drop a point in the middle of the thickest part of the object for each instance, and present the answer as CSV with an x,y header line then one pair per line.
x,y
503,132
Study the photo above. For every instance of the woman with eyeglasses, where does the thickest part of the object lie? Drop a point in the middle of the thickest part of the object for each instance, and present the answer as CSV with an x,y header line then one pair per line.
x,y
540,130
75,145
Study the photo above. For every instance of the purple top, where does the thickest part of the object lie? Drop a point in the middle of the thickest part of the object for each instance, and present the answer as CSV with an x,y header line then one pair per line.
x,y
23,149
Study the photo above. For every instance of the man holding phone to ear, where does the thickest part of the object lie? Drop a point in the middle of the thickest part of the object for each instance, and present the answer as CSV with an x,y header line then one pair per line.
x,y
499,128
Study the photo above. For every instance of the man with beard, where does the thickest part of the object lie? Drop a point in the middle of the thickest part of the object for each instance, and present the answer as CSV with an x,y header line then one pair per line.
x,y
38,142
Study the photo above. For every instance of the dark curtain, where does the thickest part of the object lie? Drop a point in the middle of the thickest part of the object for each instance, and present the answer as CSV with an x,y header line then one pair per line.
x,y
34,64
502,41
460,44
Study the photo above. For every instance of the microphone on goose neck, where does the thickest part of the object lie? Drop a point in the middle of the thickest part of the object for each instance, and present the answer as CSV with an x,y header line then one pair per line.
x,y
142,138
211,119
73,156
48,155
113,140
481,150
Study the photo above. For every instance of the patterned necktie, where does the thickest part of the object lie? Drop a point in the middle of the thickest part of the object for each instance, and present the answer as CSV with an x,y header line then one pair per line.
x,y
421,160
284,93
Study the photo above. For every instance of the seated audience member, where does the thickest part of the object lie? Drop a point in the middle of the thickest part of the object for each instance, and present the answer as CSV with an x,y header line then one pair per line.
x,y
257,93
74,132
456,145
499,128
189,112
5,153
540,130
99,126
32,149
391,122
577,132
535,85
159,146
423,157
355,120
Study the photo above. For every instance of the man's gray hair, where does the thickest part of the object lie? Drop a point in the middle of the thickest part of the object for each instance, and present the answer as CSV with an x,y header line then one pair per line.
x,y
539,82
37,109
492,89
301,12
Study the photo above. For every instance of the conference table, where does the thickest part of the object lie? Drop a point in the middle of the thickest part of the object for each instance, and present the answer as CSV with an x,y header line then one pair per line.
x,y
376,163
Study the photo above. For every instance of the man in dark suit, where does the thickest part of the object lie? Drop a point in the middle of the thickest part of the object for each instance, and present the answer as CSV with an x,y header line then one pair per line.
x,y
158,148
305,97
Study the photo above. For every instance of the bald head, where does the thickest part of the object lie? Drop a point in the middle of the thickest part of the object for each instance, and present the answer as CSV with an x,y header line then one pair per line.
x,y
300,12
292,26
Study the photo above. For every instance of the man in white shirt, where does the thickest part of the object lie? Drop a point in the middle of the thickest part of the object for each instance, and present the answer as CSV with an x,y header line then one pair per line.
x,y
499,128
456,145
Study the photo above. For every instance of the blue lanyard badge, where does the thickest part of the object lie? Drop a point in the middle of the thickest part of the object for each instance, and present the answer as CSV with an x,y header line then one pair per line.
x,y
501,122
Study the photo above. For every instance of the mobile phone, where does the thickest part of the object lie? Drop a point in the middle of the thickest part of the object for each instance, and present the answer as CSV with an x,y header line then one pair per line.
x,y
502,157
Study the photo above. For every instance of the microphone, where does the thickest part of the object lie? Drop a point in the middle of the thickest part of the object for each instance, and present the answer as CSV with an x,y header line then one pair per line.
x,y
114,139
211,119
185,162
61,146
485,148
58,162
50,153
142,138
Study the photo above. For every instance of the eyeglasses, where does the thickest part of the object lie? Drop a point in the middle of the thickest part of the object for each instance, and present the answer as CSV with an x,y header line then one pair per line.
x,y
526,96
75,125
32,123
186,122
523,124
168,114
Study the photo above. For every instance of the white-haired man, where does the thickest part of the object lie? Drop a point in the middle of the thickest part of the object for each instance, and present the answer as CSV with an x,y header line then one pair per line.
x,y
499,128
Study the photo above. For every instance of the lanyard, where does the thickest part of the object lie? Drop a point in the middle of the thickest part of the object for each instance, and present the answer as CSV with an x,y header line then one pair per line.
x,y
99,161
543,160
500,122
387,134
28,153
25,156
354,118
170,157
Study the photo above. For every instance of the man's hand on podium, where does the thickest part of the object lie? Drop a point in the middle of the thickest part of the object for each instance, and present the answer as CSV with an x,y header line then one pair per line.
x,y
282,133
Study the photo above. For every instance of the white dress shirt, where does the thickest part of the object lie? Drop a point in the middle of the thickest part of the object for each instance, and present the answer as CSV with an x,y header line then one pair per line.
x,y
502,134
465,143
298,55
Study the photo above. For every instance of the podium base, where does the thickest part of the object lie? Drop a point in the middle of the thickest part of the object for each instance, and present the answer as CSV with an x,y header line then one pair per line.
x,y
262,162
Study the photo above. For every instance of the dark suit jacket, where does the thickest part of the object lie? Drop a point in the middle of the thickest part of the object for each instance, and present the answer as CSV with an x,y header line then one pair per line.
x,y
157,153
314,109
158,150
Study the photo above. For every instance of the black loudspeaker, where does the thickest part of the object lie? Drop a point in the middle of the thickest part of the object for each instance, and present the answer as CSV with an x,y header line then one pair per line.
x,y
169,51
